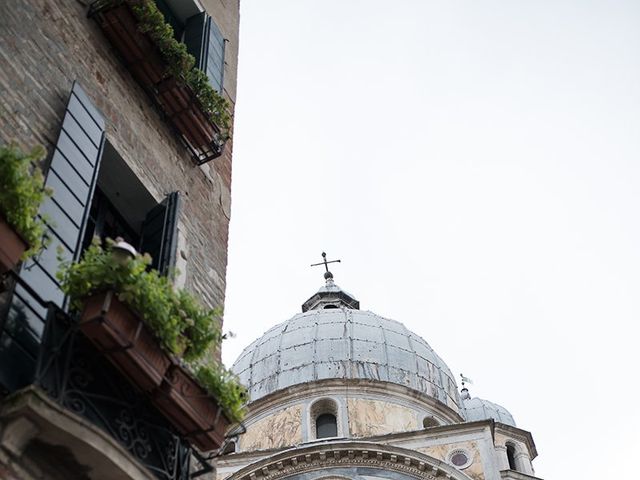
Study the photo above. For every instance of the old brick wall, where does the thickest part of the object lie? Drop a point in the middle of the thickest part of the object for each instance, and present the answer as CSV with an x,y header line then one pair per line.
x,y
45,46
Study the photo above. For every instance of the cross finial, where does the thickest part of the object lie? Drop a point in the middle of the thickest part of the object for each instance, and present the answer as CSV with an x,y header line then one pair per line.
x,y
327,274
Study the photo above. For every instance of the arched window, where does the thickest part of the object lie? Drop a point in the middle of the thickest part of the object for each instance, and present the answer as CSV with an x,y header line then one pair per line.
x,y
429,422
326,426
511,456
229,448
324,418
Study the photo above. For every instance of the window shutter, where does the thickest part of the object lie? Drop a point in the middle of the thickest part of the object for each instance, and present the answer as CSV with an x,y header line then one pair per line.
x,y
72,175
160,233
205,42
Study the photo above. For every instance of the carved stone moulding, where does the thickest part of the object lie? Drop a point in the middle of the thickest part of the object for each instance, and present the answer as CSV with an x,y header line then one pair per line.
x,y
327,457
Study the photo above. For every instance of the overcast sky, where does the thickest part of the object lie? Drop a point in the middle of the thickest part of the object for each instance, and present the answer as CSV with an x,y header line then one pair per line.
x,y
475,166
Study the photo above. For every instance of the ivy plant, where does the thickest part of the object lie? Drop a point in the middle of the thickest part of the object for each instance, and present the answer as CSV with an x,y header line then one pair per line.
x,y
181,64
21,193
183,327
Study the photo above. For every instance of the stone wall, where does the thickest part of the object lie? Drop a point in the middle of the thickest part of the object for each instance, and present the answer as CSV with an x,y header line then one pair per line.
x,y
45,46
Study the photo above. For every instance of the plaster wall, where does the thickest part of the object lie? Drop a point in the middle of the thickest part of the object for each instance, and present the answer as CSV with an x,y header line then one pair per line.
x,y
277,430
475,470
364,409
375,417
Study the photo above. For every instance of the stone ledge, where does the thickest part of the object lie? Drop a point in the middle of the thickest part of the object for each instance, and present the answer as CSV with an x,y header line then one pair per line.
x,y
338,453
514,475
29,415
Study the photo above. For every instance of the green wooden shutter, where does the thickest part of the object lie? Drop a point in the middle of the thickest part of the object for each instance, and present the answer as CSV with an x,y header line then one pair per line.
x,y
72,175
160,233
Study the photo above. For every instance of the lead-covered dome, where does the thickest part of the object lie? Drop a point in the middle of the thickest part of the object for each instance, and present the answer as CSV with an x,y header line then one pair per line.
x,y
479,409
333,339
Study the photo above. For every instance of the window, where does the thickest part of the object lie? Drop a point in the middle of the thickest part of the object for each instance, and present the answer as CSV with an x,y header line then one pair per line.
x,y
459,458
122,207
71,173
199,32
324,418
326,426
94,193
106,221
429,422
229,448
511,456
205,42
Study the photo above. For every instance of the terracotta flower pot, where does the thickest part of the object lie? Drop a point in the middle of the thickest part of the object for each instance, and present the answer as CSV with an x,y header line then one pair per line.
x,y
183,108
121,335
193,412
143,59
12,246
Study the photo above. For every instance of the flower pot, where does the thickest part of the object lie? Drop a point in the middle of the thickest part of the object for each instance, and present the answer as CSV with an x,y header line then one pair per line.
x,y
12,246
143,59
124,339
191,410
183,108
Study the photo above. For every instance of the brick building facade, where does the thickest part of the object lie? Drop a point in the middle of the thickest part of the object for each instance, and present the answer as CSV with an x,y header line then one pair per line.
x,y
64,84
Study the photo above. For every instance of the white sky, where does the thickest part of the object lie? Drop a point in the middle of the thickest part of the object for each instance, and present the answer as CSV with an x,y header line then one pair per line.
x,y
475,166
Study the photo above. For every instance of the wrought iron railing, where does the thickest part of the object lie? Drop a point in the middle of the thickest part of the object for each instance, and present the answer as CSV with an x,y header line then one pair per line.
x,y
73,373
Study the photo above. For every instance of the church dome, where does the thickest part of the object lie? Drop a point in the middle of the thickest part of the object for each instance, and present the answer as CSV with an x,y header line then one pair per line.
x,y
479,409
333,339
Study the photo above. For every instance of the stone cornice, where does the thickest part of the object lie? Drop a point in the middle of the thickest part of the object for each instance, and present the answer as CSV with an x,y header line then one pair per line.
x,y
442,430
513,475
360,386
519,434
340,454
456,428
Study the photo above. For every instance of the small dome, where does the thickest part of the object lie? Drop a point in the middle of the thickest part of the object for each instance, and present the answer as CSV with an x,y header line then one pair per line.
x,y
479,409
342,342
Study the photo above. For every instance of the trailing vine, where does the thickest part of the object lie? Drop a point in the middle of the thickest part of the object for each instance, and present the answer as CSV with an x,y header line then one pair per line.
x,y
181,64
182,326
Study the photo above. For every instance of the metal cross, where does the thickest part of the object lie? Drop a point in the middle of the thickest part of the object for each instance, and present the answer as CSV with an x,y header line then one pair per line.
x,y
326,263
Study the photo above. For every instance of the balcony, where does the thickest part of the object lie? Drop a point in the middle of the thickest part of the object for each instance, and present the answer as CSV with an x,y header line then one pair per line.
x,y
202,128
83,405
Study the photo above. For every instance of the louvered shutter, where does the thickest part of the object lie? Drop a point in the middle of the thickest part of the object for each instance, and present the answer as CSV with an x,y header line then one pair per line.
x,y
72,176
205,42
160,234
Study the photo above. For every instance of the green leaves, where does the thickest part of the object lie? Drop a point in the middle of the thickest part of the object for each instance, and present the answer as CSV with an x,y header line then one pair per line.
x,y
21,193
223,385
181,64
177,319
182,326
